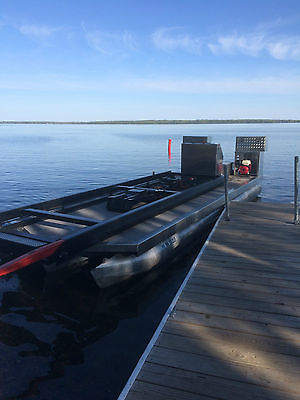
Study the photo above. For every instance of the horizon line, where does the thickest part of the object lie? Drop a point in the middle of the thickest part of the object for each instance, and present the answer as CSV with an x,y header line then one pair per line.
x,y
157,121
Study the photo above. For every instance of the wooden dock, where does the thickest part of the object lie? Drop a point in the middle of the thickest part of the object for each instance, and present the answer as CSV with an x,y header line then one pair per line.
x,y
235,330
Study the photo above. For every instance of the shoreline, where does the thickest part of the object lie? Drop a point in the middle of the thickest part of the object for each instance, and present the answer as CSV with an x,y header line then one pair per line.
x,y
159,122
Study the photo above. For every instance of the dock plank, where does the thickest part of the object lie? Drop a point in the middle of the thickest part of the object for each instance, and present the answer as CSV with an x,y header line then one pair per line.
x,y
252,279
241,273
257,264
150,391
244,315
253,287
212,386
272,378
235,330
257,286
241,304
240,354
238,325
245,294
235,339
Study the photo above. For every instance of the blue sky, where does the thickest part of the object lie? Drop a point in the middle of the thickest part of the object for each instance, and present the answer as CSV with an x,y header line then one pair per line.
x,y
135,59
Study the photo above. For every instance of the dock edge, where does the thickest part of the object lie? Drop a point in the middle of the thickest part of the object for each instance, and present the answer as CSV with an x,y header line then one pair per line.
x,y
139,365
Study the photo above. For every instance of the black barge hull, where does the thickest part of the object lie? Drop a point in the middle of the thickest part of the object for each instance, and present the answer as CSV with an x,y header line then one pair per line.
x,y
129,228
99,224
57,230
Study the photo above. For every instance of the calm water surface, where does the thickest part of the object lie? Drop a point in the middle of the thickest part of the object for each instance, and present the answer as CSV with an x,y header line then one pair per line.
x,y
74,341
40,162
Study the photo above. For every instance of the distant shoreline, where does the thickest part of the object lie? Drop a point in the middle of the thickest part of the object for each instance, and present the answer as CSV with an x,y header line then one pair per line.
x,y
160,122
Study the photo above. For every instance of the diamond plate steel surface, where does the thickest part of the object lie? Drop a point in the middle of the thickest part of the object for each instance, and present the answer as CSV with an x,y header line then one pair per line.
x,y
21,240
250,143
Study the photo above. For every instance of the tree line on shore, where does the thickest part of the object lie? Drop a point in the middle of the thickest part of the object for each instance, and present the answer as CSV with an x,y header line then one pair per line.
x,y
162,122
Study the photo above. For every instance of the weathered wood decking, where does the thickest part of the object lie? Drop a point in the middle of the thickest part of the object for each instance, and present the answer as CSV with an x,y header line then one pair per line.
x,y
235,332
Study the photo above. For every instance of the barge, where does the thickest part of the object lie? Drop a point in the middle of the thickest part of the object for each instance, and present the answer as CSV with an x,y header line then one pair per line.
x,y
126,229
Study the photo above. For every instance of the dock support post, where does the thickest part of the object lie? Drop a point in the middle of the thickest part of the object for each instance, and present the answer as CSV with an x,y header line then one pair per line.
x,y
296,191
226,173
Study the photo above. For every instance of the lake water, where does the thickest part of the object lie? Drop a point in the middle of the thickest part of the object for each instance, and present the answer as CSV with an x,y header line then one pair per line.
x,y
40,162
75,341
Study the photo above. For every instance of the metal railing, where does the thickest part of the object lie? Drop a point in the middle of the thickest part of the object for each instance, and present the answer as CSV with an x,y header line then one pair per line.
x,y
226,167
296,191
227,217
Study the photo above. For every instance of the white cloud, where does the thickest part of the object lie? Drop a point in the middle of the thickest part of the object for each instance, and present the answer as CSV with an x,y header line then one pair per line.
x,y
278,47
286,49
111,42
169,39
263,40
231,44
38,31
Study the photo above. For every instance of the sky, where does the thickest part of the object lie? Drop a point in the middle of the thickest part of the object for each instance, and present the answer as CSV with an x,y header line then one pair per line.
x,y
75,60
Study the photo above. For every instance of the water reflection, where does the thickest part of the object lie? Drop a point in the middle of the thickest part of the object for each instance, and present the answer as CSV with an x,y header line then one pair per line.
x,y
73,340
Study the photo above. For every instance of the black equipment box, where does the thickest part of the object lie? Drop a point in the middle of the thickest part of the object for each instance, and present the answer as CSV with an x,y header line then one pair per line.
x,y
200,157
